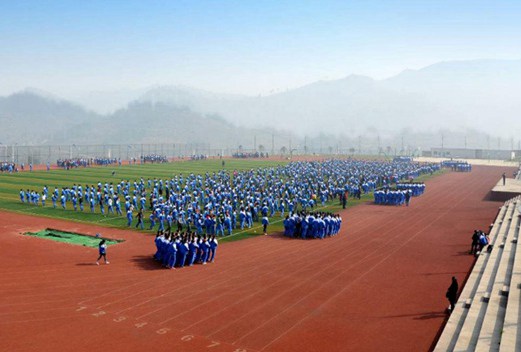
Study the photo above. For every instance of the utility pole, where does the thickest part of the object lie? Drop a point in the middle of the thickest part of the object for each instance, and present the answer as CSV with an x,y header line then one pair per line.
x,y
255,142
488,147
272,143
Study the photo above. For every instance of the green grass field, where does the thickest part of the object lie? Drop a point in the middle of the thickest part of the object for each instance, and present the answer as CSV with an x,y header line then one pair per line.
x,y
10,185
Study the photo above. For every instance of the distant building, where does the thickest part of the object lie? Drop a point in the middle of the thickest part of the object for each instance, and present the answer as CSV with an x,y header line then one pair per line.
x,y
464,153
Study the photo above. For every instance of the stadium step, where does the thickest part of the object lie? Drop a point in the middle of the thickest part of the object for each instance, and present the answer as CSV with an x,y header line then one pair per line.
x,y
454,325
511,334
490,334
488,315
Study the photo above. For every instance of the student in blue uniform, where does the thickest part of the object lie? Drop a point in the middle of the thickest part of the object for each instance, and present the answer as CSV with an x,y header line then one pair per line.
x,y
219,229
192,252
129,217
152,221
158,242
228,223
102,207
242,218
213,248
171,254
91,203
118,206
62,199
182,250
204,246
102,247
265,223
303,226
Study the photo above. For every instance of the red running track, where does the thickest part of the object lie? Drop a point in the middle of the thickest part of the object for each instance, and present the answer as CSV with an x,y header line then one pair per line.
x,y
379,285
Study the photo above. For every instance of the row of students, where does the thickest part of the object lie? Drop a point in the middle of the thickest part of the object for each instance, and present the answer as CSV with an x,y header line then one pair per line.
x,y
312,225
416,189
180,249
388,197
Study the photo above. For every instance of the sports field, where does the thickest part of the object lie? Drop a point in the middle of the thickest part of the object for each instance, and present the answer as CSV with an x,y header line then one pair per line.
x,y
379,285
10,185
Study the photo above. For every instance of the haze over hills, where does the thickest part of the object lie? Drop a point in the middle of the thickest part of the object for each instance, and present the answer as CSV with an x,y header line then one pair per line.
x,y
455,95
480,99
34,117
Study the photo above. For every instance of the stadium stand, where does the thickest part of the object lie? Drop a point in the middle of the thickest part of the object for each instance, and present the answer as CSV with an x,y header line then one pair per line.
x,y
487,316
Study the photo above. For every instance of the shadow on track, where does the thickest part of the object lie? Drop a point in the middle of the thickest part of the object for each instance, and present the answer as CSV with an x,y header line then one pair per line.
x,y
146,262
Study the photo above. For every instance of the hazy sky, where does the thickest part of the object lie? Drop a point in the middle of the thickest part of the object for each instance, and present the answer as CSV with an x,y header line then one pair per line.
x,y
248,47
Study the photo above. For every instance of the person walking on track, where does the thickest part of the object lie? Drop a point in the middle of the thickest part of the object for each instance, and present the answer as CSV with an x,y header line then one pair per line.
x,y
452,294
102,252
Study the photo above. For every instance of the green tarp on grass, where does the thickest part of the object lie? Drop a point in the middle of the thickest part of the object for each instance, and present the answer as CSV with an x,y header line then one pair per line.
x,y
71,237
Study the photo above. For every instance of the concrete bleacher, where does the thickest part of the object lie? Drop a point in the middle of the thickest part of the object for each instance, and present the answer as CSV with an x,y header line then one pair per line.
x,y
487,314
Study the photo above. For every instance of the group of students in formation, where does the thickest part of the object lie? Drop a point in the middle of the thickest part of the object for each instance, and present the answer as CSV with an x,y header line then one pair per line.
x,y
457,165
185,248
220,202
77,162
399,196
392,197
312,225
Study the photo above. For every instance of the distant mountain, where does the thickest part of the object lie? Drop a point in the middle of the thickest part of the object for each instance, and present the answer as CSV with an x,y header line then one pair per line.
x,y
148,122
480,94
468,102
36,117
107,102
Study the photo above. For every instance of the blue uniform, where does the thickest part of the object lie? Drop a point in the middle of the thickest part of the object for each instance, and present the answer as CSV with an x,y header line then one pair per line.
x,y
192,252
213,248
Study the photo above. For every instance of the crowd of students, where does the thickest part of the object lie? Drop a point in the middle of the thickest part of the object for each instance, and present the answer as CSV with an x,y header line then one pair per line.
x,y
457,165
312,225
400,195
198,157
154,158
184,248
243,155
8,167
392,197
220,202
84,162
417,189
73,162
